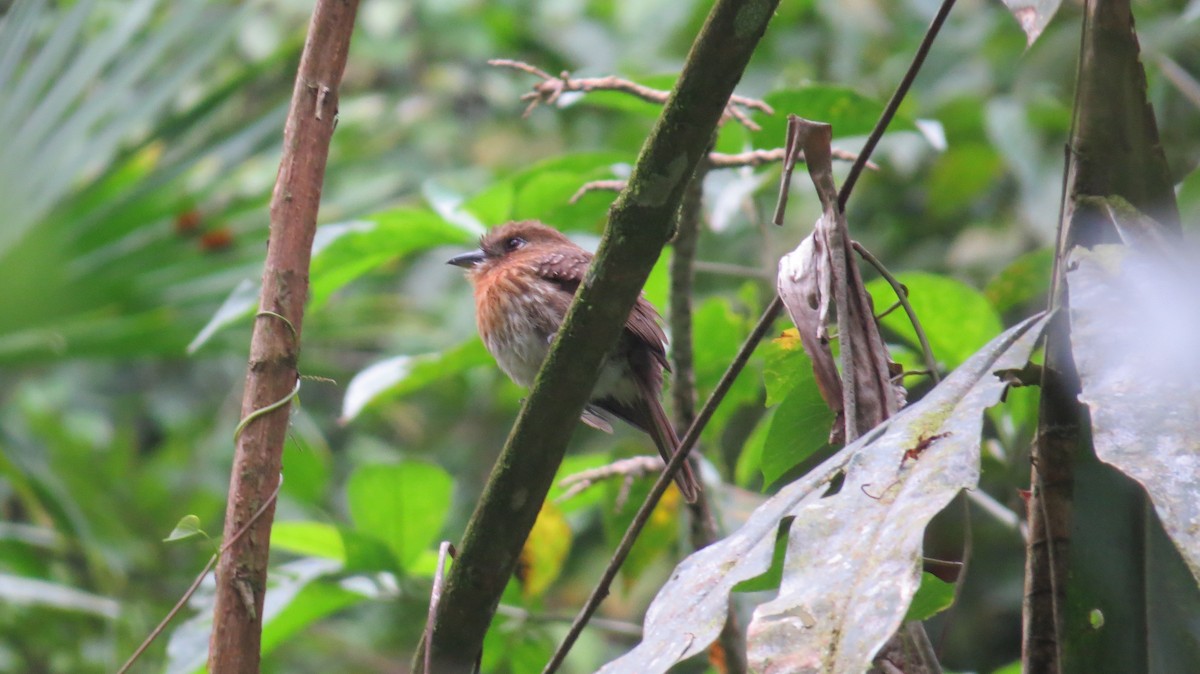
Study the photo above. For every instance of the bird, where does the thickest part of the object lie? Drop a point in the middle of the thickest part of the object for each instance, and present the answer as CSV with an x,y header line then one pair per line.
x,y
525,275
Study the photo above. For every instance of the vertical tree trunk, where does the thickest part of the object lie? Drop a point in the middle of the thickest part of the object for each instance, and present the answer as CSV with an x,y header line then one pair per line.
x,y
271,375
1113,150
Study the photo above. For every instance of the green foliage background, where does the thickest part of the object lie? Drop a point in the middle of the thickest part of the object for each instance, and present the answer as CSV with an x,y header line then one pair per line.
x,y
136,196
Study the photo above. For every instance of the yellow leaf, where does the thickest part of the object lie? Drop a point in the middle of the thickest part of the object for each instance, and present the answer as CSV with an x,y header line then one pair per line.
x,y
544,552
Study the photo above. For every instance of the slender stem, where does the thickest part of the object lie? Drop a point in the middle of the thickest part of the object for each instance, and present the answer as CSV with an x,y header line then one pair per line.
x,y
664,479
902,296
893,104
683,257
183,600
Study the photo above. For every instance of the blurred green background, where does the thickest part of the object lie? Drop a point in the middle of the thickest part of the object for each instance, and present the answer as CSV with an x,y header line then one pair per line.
x,y
139,142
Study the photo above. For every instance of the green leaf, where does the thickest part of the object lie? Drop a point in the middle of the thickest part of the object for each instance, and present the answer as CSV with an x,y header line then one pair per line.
x,y
749,463
345,251
240,304
785,366
544,191
1025,279
770,579
933,596
573,464
404,505
313,602
188,526
314,539
799,427
957,318
718,333
959,176
850,113
401,375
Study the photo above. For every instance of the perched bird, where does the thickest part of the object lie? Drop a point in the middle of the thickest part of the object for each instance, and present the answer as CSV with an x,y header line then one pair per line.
x,y
525,275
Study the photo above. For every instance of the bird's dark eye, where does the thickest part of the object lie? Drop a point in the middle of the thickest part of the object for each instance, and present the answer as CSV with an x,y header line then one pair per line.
x,y
514,243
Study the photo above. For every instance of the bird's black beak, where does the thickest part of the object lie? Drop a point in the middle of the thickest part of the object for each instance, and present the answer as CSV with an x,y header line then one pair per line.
x,y
467,260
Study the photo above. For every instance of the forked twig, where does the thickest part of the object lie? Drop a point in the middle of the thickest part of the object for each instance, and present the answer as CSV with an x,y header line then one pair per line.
x,y
902,297
551,88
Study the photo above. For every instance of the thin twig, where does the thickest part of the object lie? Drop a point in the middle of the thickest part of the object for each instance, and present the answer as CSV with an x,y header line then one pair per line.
x,y
595,186
551,88
183,600
664,479
682,273
893,104
902,297
741,271
762,157
621,627
630,468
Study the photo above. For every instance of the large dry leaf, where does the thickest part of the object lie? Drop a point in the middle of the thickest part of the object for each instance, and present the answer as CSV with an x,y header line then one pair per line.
x,y
1135,328
853,561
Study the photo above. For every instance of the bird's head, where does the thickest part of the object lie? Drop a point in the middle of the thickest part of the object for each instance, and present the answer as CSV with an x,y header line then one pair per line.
x,y
509,241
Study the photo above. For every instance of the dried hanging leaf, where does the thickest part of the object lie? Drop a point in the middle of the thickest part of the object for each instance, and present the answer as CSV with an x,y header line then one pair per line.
x,y
823,268
1134,322
853,561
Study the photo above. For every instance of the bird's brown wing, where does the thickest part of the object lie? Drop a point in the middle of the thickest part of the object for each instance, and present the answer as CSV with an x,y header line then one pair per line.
x,y
567,268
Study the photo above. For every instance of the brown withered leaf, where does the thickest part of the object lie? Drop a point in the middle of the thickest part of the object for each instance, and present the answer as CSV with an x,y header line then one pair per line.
x,y
822,269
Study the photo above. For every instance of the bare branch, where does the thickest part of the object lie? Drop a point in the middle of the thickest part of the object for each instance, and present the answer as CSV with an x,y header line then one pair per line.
x,y
627,469
597,185
761,157
550,89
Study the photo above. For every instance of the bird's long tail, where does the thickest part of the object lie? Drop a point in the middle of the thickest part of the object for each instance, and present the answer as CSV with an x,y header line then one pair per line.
x,y
667,442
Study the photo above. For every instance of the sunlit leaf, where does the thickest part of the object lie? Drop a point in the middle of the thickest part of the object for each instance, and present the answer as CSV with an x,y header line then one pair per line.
x,y
298,593
240,304
401,375
19,591
346,251
315,539
544,551
188,526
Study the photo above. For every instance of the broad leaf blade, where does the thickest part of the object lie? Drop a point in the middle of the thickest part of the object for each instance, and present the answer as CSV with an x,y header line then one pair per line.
x,y
853,562
1133,335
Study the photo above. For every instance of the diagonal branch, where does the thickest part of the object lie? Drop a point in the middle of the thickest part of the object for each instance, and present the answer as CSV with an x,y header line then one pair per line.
x,y
551,88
